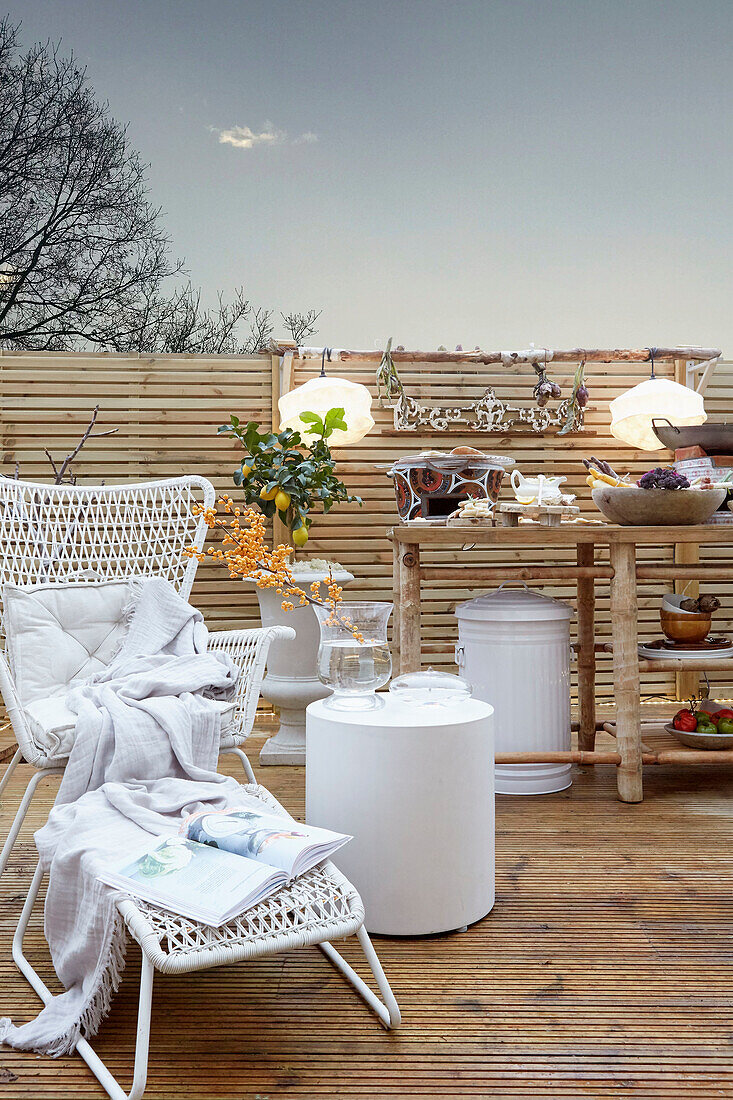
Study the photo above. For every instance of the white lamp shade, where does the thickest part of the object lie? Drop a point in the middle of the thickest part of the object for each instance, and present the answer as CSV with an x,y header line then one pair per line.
x,y
657,398
321,394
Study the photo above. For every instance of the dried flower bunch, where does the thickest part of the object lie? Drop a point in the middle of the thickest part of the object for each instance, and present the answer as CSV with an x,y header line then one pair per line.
x,y
245,554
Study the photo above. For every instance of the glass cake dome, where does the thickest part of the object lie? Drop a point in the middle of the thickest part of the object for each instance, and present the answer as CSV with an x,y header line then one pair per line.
x,y
430,688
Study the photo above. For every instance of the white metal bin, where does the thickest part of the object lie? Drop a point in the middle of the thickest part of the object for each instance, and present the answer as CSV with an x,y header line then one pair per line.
x,y
514,648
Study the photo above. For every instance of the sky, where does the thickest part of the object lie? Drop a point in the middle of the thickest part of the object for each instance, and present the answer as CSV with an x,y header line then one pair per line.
x,y
482,172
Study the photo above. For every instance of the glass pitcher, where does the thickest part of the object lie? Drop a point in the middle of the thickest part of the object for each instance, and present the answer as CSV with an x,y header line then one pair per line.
x,y
353,657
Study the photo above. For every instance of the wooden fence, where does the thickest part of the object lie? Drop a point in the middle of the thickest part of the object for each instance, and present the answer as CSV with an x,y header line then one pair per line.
x,y
167,409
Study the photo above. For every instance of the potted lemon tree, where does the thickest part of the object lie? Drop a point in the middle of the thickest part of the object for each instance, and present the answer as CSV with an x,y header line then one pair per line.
x,y
285,474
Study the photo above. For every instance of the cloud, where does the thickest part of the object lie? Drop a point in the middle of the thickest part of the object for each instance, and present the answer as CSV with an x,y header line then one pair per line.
x,y
242,137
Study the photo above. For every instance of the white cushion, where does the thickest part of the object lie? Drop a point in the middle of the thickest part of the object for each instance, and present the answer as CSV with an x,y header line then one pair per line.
x,y
61,634
53,724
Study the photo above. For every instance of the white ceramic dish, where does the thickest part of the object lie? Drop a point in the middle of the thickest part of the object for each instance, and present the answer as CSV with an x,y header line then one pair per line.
x,y
671,602
650,654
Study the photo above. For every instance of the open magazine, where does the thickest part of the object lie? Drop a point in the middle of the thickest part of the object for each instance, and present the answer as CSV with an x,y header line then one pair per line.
x,y
222,862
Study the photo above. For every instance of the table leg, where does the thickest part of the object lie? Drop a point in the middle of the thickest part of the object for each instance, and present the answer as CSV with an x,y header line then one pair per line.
x,y
396,658
409,624
586,652
624,628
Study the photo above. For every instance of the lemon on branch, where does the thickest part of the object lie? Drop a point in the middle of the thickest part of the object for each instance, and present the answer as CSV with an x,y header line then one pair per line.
x,y
282,500
268,494
300,535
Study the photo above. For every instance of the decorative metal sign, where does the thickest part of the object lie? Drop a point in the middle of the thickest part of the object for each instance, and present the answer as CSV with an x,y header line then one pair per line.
x,y
488,414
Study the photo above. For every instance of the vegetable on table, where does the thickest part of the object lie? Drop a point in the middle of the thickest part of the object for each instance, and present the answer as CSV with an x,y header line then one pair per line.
x,y
663,477
692,720
601,473
685,720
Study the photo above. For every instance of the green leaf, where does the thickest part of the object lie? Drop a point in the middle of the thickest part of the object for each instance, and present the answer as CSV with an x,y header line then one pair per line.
x,y
235,420
252,437
315,421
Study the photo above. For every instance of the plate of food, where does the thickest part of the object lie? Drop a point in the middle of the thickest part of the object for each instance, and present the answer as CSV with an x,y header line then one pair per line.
x,y
709,726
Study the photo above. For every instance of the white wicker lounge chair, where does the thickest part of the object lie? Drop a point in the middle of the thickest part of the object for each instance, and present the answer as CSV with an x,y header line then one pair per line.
x,y
314,909
53,533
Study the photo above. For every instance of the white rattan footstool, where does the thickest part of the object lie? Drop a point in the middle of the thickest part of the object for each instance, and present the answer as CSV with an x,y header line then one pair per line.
x,y
312,910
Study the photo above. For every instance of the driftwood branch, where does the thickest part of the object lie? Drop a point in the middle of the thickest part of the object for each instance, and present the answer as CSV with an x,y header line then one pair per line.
x,y
574,355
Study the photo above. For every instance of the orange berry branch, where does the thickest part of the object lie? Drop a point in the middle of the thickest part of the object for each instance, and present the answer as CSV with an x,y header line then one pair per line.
x,y
245,554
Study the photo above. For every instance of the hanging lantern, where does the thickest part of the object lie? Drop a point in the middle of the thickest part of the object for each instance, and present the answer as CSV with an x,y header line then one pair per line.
x,y
324,393
655,399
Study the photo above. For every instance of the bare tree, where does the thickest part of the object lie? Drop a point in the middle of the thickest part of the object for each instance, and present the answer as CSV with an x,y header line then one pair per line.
x,y
301,325
180,323
83,260
260,329
79,240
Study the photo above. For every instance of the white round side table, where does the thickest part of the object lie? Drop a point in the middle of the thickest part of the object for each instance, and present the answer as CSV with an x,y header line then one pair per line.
x,y
415,787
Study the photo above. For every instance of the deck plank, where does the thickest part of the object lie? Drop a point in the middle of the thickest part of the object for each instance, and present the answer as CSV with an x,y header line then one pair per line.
x,y
604,970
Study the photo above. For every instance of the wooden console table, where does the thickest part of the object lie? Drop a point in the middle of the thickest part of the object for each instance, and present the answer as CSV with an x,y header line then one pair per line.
x,y
621,572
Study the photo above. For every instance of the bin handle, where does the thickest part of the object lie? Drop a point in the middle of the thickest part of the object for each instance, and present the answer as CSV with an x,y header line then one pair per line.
x,y
505,583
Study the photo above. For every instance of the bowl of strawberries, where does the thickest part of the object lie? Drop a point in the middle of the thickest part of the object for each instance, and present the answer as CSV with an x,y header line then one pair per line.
x,y
708,725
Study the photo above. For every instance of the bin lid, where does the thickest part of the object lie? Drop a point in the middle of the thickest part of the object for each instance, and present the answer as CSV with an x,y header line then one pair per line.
x,y
508,604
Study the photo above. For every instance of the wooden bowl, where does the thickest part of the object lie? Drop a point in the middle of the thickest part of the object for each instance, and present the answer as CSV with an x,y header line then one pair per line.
x,y
631,506
689,627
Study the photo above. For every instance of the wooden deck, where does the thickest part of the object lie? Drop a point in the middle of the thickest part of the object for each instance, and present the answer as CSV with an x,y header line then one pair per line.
x,y
605,970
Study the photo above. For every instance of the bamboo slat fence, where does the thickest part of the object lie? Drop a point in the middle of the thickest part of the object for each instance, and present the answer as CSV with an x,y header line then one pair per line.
x,y
167,409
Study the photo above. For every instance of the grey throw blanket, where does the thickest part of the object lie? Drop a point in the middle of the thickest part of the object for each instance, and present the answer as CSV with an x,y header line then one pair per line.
x,y
144,755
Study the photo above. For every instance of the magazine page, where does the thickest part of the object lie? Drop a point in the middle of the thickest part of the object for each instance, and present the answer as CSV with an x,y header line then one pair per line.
x,y
196,880
268,838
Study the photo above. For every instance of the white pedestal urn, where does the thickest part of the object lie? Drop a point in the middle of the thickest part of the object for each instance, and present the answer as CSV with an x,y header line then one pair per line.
x,y
292,681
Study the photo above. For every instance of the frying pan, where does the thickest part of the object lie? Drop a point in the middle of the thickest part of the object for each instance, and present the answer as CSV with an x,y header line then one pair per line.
x,y
714,438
